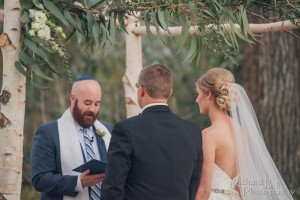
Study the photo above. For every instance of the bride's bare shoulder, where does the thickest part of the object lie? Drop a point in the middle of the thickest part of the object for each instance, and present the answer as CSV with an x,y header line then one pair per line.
x,y
217,129
209,133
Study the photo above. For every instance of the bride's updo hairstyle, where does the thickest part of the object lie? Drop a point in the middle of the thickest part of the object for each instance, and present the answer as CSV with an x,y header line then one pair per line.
x,y
215,80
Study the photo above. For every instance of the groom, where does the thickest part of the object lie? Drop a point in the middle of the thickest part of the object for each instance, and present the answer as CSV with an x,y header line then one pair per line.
x,y
155,155
66,143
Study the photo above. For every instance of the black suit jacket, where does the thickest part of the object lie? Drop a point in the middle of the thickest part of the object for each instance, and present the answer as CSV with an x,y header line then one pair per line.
x,y
45,163
153,156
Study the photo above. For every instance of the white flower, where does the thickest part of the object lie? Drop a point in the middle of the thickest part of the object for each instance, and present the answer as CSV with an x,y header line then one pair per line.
x,y
31,13
35,26
31,32
40,17
60,53
55,47
58,29
100,133
63,35
42,34
45,33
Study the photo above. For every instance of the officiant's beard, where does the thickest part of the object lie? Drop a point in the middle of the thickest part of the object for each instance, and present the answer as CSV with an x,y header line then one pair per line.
x,y
84,119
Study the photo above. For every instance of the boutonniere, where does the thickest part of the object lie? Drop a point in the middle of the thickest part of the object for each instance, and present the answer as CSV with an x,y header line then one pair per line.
x,y
100,133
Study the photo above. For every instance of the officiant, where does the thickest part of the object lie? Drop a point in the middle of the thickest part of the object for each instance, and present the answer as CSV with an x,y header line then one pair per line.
x,y
64,144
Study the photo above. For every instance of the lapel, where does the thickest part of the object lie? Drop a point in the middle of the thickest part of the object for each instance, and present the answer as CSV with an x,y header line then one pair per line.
x,y
101,145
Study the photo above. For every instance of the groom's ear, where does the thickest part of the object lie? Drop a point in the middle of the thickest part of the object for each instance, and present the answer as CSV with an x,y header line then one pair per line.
x,y
141,91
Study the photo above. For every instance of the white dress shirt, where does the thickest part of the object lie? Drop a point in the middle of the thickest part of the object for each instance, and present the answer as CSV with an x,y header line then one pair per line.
x,y
154,104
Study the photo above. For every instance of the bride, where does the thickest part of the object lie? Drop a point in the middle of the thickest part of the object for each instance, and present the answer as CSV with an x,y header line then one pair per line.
x,y
237,164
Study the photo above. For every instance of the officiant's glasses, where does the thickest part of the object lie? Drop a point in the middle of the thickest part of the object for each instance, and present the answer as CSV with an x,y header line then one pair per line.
x,y
137,85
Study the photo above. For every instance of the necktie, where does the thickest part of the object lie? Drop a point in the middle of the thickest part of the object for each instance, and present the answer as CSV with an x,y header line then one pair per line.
x,y
95,189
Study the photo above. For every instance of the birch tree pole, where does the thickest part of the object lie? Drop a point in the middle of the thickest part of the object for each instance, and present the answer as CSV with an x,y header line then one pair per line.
x,y
133,67
12,102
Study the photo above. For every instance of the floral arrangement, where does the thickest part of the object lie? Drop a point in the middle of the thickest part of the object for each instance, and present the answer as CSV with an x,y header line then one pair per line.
x,y
43,45
42,27
45,26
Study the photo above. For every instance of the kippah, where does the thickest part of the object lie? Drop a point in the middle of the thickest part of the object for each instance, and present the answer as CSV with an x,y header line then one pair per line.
x,y
84,78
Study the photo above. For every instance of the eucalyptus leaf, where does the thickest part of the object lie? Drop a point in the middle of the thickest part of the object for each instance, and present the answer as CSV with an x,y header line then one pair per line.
x,y
102,19
90,24
26,27
198,53
25,58
112,30
56,12
49,66
157,25
71,34
38,4
103,31
42,44
80,38
192,7
39,85
21,69
184,31
97,3
161,21
121,16
96,33
34,48
27,4
208,13
247,30
71,20
233,38
146,17
86,4
37,71
192,50
239,34
79,25
25,18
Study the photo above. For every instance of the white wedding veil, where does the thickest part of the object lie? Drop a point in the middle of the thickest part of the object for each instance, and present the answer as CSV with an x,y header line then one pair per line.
x,y
259,178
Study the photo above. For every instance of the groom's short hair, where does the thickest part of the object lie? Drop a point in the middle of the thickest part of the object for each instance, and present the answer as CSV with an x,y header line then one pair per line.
x,y
157,81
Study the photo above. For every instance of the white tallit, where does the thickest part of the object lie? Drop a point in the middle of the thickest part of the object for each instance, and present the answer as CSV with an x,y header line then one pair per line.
x,y
70,149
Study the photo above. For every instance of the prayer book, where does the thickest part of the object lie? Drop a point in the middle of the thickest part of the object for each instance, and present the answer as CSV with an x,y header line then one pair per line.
x,y
95,166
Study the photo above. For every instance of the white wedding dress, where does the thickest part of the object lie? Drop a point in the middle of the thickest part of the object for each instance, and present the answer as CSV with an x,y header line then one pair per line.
x,y
223,186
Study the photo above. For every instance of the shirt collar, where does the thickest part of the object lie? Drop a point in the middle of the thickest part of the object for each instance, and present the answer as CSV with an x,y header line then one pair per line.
x,y
78,127
154,104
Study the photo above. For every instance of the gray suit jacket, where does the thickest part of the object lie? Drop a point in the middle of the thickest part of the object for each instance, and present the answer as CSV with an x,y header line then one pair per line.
x,y
45,163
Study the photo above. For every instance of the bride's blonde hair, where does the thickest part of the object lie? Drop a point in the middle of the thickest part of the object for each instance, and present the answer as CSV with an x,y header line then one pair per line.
x,y
215,81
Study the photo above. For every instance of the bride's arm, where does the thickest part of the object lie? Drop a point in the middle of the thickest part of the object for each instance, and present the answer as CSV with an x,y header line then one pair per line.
x,y
209,147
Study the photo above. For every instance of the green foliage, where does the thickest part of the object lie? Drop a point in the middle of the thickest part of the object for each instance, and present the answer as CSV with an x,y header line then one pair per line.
x,y
95,23
214,20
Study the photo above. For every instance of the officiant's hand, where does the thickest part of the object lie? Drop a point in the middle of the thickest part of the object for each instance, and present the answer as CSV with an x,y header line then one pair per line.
x,y
88,180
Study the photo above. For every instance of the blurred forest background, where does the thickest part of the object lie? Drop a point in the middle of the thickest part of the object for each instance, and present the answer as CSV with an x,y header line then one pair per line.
x,y
269,71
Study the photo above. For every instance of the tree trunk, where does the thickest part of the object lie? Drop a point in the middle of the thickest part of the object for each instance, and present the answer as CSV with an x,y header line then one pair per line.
x,y
12,106
133,67
271,76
